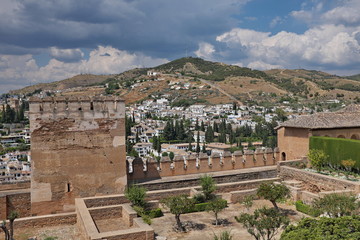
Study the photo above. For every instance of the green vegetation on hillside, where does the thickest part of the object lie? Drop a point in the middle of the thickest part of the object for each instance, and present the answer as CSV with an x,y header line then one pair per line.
x,y
210,70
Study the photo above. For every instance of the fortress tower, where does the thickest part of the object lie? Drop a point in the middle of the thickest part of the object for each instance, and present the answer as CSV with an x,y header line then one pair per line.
x,y
77,149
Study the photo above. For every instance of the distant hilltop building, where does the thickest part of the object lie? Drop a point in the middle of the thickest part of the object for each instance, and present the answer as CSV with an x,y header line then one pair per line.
x,y
294,134
78,150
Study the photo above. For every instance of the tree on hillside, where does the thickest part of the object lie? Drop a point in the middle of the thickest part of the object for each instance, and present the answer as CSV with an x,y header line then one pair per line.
x,y
273,192
264,224
337,205
179,205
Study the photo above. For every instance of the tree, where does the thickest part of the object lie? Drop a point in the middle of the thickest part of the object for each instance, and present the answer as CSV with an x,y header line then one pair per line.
x,y
9,233
136,195
198,142
202,126
178,205
208,186
171,156
216,206
317,158
342,228
273,192
337,205
280,115
264,224
248,201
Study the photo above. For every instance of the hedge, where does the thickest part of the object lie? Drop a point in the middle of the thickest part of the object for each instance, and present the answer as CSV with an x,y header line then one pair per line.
x,y
337,149
199,207
304,208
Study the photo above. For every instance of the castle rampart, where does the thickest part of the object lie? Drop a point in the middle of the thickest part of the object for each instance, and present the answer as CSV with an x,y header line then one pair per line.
x,y
141,169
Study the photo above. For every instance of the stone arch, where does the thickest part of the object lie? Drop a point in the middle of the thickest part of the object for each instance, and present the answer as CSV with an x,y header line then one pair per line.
x,y
283,156
341,136
355,136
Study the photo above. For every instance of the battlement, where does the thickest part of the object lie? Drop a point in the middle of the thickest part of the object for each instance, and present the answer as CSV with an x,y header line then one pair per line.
x,y
140,169
78,108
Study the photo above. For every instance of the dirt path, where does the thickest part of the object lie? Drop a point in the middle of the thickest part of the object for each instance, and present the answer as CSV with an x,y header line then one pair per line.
x,y
213,85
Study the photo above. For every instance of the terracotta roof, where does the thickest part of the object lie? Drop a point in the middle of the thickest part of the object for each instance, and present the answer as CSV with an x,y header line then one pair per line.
x,y
325,120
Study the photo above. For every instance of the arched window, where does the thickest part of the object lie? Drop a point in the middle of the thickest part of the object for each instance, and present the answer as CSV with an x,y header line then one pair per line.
x,y
283,156
355,136
341,136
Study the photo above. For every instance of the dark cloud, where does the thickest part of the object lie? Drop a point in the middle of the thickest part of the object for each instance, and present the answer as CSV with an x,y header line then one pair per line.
x,y
158,26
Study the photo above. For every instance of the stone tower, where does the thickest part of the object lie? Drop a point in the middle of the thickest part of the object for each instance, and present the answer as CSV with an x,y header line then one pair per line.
x,y
77,149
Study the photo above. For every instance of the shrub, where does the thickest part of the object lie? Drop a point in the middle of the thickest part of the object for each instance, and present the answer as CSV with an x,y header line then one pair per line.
x,y
199,198
208,186
155,213
304,208
317,158
225,235
136,195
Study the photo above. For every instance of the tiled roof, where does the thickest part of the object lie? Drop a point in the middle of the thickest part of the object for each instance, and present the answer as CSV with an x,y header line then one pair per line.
x,y
343,119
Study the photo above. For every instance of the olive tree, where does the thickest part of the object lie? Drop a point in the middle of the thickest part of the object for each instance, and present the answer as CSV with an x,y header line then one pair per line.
x,y
273,192
264,224
178,205
216,206
136,195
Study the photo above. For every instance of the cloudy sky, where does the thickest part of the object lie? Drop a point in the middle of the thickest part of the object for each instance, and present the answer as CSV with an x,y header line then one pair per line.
x,y
48,40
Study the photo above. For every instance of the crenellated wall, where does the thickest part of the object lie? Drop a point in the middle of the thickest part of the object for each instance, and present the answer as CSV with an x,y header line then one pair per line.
x,y
142,169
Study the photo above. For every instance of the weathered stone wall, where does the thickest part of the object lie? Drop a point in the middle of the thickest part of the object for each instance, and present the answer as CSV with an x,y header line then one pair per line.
x,y
318,182
233,176
78,150
202,164
15,200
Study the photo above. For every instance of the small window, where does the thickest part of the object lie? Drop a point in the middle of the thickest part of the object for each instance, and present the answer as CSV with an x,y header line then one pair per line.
x,y
80,108
68,187
91,106
41,108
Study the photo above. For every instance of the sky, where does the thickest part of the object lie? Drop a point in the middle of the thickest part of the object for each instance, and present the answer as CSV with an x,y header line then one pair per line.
x,y
49,40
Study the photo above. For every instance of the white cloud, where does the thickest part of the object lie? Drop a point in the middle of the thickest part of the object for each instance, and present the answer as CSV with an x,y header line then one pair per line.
x,y
331,46
66,55
260,65
205,50
346,12
18,71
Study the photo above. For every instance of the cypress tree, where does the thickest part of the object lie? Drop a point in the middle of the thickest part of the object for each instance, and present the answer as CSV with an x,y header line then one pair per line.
x,y
198,142
202,127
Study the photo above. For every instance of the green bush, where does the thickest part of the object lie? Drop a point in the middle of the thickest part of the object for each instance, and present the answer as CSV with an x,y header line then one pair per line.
x,y
337,149
324,228
155,213
304,208
199,198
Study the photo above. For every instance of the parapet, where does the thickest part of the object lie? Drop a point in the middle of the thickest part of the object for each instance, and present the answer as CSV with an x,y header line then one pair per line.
x,y
53,108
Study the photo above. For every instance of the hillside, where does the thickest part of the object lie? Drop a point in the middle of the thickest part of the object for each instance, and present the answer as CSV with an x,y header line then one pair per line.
x,y
81,80
196,80
354,77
